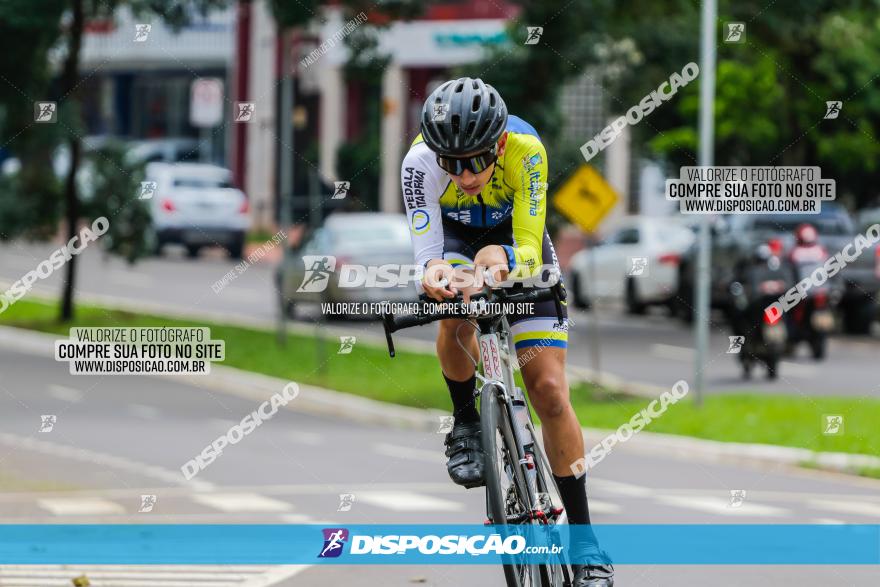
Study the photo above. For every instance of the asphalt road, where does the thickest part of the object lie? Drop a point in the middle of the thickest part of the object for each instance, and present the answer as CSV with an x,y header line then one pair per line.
x,y
652,349
118,438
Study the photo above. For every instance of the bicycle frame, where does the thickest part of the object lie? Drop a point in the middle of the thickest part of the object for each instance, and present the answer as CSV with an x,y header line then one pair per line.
x,y
496,358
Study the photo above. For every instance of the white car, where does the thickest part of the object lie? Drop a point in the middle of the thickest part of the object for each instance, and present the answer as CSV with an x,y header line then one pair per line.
x,y
637,264
194,204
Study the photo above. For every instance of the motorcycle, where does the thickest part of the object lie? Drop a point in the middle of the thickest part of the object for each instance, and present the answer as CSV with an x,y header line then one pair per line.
x,y
758,337
812,319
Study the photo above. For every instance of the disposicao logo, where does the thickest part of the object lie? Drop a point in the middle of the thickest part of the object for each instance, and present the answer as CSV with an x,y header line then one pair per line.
x,y
334,541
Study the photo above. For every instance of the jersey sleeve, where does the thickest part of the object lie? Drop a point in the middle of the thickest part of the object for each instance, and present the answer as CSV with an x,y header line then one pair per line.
x,y
421,187
529,164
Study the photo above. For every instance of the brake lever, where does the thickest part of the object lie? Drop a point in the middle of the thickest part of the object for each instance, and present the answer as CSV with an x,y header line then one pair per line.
x,y
558,296
388,339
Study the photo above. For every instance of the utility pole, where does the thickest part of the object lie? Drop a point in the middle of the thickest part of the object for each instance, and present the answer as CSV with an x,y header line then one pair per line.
x,y
285,172
706,158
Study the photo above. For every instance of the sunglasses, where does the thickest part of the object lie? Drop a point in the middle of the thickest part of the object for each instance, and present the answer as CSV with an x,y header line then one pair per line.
x,y
475,163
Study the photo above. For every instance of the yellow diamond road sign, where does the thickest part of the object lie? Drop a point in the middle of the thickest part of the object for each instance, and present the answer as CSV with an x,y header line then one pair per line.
x,y
585,198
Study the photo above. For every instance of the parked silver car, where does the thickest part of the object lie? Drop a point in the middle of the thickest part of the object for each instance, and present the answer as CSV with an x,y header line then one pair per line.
x,y
339,260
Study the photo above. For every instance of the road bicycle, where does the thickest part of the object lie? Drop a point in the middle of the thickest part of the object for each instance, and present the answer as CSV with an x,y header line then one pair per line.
x,y
520,488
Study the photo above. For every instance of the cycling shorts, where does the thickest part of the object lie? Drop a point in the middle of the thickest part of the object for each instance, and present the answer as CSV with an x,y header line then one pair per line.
x,y
540,327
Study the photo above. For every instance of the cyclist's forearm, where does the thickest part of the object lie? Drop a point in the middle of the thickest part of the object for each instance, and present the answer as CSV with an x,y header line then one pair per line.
x,y
526,256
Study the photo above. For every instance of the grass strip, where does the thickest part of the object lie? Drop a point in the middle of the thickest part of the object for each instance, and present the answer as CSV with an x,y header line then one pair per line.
x,y
413,379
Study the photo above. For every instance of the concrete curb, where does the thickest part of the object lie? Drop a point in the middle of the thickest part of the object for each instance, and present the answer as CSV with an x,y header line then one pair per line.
x,y
319,401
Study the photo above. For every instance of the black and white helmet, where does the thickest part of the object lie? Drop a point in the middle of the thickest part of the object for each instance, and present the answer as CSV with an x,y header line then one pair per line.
x,y
463,116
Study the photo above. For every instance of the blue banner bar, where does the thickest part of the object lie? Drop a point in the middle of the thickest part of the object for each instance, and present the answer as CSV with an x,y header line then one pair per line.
x,y
752,544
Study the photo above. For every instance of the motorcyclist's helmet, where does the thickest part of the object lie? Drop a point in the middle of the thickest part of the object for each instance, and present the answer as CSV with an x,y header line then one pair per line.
x,y
806,235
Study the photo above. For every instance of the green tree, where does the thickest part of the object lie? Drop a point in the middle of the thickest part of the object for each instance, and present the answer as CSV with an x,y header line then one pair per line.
x,y
59,23
114,189
771,90
30,199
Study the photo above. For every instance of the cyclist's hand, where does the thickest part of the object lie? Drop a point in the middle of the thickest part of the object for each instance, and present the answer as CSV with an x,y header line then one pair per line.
x,y
494,258
438,279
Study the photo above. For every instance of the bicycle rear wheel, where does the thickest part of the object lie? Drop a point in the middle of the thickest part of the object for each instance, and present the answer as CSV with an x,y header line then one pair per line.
x,y
507,496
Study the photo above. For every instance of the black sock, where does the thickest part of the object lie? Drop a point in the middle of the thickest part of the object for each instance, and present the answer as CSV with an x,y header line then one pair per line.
x,y
573,491
463,401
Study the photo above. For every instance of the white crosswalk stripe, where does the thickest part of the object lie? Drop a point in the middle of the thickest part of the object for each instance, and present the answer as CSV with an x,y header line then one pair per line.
x,y
80,506
717,505
241,502
285,502
148,575
604,507
408,501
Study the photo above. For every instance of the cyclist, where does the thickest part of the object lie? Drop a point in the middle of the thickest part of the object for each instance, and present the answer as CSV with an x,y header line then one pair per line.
x,y
474,184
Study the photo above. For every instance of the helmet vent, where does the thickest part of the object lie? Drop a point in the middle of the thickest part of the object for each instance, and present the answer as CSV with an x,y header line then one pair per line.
x,y
471,119
484,128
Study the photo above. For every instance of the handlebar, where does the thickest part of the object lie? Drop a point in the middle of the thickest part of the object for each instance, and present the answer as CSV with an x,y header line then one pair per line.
x,y
432,311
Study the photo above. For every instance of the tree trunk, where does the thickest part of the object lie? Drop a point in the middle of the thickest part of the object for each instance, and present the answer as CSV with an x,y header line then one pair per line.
x,y
69,80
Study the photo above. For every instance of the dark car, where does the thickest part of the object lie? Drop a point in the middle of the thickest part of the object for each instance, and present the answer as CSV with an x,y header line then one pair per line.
x,y
312,273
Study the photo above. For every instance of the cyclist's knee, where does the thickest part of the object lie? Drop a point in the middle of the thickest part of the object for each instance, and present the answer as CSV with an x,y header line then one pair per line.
x,y
451,329
549,395
449,337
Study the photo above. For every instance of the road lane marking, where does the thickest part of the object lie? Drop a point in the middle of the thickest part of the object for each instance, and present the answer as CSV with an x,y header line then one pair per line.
x,y
66,394
717,505
859,508
129,572
621,488
146,581
62,451
283,490
80,506
295,519
149,575
242,502
604,507
407,501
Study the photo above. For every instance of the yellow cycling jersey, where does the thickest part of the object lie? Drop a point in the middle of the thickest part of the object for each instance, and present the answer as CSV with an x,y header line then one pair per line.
x,y
517,191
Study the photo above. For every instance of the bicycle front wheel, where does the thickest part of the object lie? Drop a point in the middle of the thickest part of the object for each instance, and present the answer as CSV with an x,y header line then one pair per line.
x,y
506,490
